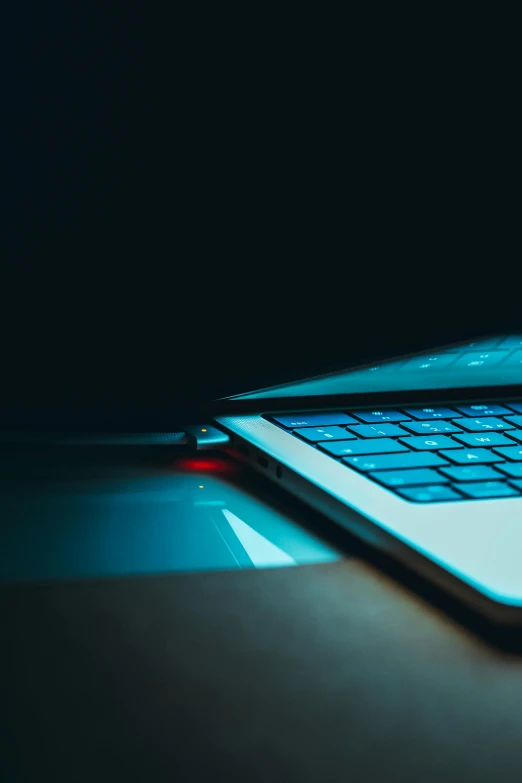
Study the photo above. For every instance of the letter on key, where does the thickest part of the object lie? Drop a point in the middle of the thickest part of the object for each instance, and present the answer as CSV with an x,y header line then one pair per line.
x,y
432,443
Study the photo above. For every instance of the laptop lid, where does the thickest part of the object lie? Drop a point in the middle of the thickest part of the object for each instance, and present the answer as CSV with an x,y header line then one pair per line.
x,y
491,366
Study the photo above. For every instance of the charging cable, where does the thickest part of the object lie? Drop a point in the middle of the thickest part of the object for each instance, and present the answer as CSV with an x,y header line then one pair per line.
x,y
195,436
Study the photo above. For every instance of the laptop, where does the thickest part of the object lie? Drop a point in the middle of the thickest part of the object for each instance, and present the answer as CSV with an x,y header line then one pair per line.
x,y
421,457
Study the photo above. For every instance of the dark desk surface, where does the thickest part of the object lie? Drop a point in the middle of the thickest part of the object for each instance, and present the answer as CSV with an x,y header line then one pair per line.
x,y
327,672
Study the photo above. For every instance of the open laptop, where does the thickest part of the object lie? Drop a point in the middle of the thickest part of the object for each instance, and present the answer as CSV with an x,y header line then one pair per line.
x,y
421,457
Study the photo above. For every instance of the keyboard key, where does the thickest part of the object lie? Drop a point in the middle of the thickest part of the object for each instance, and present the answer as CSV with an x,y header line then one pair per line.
x,y
471,456
510,452
484,439
516,483
516,420
479,425
516,435
483,410
515,341
327,419
431,443
428,363
425,427
431,413
377,430
376,446
514,359
317,434
380,416
478,359
513,469
515,406
403,478
471,473
487,489
411,459
429,494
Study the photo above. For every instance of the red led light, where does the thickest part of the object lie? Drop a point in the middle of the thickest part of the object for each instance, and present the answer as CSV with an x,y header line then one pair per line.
x,y
205,464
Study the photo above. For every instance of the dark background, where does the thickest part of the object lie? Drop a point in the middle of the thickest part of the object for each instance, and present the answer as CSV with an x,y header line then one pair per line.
x,y
193,214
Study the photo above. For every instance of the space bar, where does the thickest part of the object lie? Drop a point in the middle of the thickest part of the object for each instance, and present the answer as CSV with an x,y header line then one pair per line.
x,y
413,459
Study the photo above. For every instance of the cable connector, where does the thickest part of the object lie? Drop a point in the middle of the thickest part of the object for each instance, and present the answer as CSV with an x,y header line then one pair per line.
x,y
205,436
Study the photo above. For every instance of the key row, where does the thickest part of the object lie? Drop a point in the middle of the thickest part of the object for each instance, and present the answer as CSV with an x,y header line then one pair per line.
x,y
341,448
484,490
367,431
463,473
335,418
469,481
426,459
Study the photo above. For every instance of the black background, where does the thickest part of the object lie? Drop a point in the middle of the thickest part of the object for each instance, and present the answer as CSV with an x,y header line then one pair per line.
x,y
191,215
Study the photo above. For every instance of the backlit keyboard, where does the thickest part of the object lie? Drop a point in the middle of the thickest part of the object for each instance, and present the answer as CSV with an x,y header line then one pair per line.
x,y
468,452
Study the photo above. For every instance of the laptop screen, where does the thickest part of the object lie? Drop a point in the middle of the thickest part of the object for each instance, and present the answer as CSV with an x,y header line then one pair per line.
x,y
496,361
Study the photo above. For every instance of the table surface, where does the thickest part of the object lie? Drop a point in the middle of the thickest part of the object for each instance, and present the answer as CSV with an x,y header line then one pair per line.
x,y
343,668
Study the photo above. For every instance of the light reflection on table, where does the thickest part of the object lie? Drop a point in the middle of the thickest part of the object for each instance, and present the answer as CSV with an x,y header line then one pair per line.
x,y
189,514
